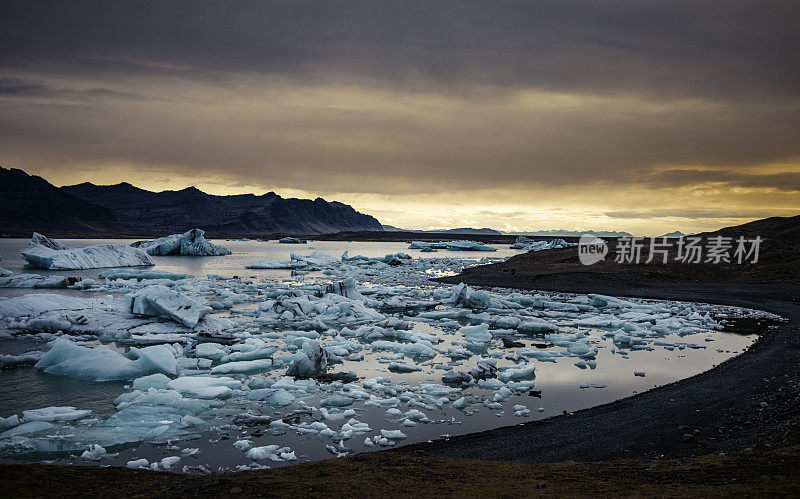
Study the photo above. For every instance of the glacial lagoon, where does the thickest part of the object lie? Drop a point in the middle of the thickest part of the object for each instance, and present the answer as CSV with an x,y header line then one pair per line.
x,y
390,333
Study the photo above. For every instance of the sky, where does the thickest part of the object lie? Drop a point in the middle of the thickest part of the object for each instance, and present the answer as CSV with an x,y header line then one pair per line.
x,y
644,116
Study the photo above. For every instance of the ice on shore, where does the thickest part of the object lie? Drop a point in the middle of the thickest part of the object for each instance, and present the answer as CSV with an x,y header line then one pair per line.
x,y
190,243
46,253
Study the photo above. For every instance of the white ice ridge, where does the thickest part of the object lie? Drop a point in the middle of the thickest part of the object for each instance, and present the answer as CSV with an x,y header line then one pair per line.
x,y
46,253
190,243
529,245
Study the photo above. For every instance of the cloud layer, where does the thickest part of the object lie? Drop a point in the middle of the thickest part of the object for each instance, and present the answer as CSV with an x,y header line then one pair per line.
x,y
606,105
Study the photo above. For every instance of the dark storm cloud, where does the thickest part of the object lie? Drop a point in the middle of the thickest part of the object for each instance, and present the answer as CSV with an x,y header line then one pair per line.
x,y
784,181
374,96
700,214
17,87
730,49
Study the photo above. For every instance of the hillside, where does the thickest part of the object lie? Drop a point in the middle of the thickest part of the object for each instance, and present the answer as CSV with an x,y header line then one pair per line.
x,y
32,203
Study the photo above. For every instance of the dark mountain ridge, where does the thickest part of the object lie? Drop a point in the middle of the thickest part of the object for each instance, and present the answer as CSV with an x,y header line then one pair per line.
x,y
32,203
29,202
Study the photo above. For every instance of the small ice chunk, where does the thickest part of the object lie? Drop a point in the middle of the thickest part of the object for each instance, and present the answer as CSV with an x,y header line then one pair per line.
x,y
168,462
138,463
94,453
518,373
477,334
393,434
401,367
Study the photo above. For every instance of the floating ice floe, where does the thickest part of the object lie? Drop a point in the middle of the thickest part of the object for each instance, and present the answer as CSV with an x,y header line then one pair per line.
x,y
291,240
530,245
297,261
103,364
39,281
46,253
468,246
106,317
140,274
160,300
190,243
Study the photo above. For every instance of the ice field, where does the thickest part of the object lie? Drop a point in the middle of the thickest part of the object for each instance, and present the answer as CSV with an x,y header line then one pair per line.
x,y
282,353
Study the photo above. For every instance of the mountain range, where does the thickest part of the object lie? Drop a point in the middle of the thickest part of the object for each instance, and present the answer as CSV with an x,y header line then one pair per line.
x,y
29,202
460,230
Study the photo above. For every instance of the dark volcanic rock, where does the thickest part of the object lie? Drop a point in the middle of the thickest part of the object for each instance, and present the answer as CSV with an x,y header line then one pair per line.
x,y
28,202
170,212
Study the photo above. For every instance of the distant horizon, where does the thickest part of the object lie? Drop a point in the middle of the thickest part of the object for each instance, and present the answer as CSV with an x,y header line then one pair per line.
x,y
551,231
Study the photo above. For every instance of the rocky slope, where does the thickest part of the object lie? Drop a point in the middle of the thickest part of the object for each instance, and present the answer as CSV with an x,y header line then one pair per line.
x,y
28,202
32,203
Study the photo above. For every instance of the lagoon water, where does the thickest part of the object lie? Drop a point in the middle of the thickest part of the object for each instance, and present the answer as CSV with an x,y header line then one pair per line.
x,y
557,384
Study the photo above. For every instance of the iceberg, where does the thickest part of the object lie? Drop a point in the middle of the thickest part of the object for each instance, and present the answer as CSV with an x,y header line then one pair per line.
x,y
291,240
100,316
271,264
140,274
316,258
51,414
529,245
205,387
160,300
38,281
423,245
104,364
468,246
190,243
46,253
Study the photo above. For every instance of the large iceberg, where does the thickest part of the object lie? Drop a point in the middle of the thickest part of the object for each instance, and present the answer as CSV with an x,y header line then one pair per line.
x,y
191,243
46,253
